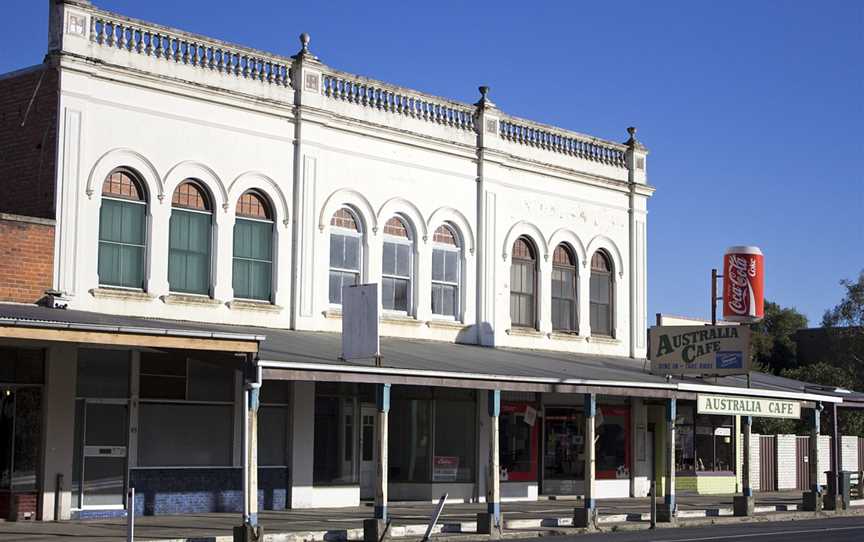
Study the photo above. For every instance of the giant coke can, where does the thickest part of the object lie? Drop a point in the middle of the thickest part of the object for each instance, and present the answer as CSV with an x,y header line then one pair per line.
x,y
743,284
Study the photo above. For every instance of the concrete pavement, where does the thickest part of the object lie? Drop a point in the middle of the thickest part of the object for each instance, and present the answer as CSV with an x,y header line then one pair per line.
x,y
409,520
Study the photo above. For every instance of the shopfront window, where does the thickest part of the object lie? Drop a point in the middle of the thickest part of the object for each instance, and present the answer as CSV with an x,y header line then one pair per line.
x,y
564,442
455,436
336,411
613,443
703,443
410,435
273,423
186,412
518,426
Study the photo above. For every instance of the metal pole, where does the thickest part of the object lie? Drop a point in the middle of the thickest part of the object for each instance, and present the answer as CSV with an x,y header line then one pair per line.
x,y
245,455
130,515
835,441
714,297
434,519
653,504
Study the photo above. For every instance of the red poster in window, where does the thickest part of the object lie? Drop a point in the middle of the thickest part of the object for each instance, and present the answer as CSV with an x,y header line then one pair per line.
x,y
518,442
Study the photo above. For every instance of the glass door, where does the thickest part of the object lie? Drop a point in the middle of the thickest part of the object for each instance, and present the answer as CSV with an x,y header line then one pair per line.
x,y
367,451
103,453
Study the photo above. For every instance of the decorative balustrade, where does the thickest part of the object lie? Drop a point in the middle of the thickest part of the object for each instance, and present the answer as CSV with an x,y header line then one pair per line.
x,y
177,47
562,142
378,96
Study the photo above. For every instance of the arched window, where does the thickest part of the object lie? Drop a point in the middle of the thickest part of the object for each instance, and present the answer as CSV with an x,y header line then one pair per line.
x,y
345,252
523,284
253,248
122,231
601,294
397,267
564,308
189,243
446,273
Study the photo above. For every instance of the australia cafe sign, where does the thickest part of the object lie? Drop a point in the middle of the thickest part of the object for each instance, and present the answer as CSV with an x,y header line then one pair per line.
x,y
702,350
727,405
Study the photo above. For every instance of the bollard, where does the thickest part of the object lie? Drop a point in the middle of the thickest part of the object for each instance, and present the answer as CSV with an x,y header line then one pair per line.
x,y
130,515
653,504
58,495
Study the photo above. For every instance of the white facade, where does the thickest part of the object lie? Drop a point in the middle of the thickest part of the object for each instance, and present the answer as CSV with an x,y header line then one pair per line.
x,y
320,146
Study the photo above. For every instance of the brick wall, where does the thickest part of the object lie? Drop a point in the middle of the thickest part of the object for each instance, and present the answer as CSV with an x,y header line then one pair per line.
x,y
28,141
787,468
849,453
26,257
755,462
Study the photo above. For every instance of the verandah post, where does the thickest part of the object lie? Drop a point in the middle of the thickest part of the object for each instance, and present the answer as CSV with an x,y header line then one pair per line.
x,y
491,522
813,498
374,528
585,517
744,505
666,510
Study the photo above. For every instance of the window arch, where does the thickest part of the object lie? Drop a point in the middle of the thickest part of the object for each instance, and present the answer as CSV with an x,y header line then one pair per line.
x,y
122,231
397,267
601,294
446,272
564,306
253,247
190,239
346,252
523,284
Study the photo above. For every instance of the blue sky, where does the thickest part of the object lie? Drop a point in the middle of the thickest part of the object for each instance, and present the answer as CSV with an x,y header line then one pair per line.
x,y
752,110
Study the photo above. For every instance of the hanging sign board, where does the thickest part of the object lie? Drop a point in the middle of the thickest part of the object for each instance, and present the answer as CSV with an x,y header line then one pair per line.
x,y
360,319
699,350
727,405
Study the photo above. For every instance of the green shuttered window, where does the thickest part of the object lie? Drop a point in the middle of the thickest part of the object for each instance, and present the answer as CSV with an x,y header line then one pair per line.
x,y
189,240
122,232
253,259
189,252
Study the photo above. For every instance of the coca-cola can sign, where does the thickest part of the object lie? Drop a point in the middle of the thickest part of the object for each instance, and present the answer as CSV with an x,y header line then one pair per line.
x,y
743,284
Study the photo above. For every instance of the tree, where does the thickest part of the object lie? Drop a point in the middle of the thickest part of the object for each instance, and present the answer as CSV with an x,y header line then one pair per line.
x,y
774,338
850,311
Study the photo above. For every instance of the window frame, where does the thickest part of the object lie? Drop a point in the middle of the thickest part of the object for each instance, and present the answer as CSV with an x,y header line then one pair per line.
x,y
361,252
574,267
409,278
268,208
610,274
208,199
457,249
535,267
145,247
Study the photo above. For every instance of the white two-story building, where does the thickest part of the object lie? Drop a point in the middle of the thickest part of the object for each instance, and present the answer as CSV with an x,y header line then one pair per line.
x,y
213,199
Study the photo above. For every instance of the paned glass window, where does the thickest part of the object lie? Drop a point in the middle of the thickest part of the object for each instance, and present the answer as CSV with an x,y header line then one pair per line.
x,y
564,309
345,253
523,284
601,295
253,248
122,231
446,275
703,443
397,267
189,240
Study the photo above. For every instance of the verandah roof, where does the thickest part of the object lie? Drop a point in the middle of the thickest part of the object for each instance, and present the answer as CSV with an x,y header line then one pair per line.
x,y
306,355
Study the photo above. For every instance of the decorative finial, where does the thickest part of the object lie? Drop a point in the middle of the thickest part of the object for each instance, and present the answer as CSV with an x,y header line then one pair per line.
x,y
304,53
484,97
633,143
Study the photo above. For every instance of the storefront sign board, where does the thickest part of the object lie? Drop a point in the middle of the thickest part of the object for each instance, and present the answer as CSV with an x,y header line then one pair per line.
x,y
445,468
702,350
726,405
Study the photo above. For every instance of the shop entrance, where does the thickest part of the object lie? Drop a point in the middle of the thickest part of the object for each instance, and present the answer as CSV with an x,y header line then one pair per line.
x,y
367,451
20,435
100,466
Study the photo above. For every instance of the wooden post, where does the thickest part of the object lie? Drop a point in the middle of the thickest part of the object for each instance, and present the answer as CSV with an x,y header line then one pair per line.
x,y
744,505
813,498
250,531
666,511
490,522
374,529
585,516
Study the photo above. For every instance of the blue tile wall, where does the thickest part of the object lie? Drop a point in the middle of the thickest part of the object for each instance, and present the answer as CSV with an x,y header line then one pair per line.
x,y
198,490
98,514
